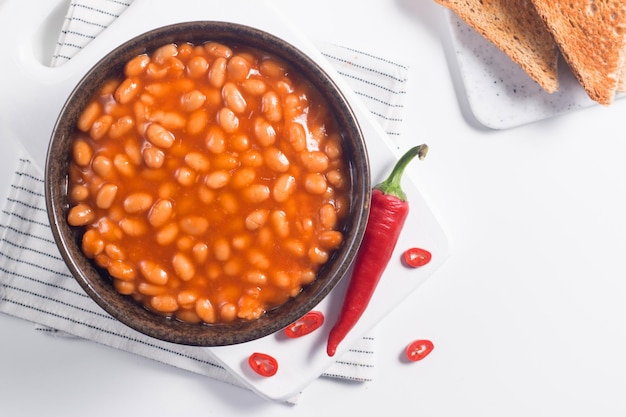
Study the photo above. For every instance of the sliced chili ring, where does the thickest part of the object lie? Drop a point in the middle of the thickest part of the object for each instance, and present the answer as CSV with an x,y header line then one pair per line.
x,y
419,349
306,324
416,257
263,364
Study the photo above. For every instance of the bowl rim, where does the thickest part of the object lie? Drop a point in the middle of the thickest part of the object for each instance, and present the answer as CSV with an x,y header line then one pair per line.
x,y
131,313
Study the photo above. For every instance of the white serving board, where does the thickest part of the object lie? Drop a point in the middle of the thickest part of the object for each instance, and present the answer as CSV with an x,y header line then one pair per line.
x,y
35,95
500,94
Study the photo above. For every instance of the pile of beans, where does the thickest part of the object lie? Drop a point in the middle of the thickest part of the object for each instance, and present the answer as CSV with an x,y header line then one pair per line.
x,y
209,181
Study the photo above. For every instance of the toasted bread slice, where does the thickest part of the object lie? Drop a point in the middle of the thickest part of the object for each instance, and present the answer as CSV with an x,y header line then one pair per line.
x,y
515,28
591,36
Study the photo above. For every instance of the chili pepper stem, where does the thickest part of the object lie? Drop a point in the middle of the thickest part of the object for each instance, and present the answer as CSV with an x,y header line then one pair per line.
x,y
392,185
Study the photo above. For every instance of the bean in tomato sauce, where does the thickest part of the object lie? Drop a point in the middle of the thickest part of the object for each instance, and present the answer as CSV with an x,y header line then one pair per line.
x,y
209,180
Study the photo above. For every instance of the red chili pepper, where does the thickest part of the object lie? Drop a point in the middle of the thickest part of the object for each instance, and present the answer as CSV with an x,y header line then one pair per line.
x,y
388,212
416,257
263,364
419,349
306,324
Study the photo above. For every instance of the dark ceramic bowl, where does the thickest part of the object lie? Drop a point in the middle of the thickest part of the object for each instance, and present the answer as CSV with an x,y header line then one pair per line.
x,y
98,284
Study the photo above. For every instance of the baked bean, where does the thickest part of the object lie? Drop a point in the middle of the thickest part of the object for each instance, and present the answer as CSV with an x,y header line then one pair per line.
x,y
336,179
232,267
80,215
198,161
194,225
256,193
226,161
200,252
333,147
106,195
318,255
217,179
265,238
127,90
233,98
271,107
123,165
272,68
228,312
243,177
276,160
101,126
280,223
328,216
228,120
258,259
92,243
240,142
264,132
197,122
132,151
113,251
184,243
331,239
241,241
164,303
82,153
197,66
216,140
297,136
315,183
103,167
315,161
167,234
219,50
284,187
206,195
137,65
214,187
256,219
124,287
89,116
228,202
78,193
185,176
138,202
159,136
109,230
205,310
281,279
254,86
183,267
168,120
164,53
133,226
153,272
155,71
252,158
238,68
153,157
187,298
294,247
122,270
217,72
192,100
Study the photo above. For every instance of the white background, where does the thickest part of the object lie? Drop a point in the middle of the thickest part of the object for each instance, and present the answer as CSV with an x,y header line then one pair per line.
x,y
527,314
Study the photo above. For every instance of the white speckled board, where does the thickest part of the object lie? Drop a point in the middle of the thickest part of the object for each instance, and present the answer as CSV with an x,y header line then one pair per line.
x,y
500,94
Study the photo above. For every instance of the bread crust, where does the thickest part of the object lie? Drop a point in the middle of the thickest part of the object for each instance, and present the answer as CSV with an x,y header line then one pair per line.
x,y
515,28
591,35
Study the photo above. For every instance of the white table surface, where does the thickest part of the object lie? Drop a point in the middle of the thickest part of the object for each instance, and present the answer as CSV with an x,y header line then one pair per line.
x,y
527,315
